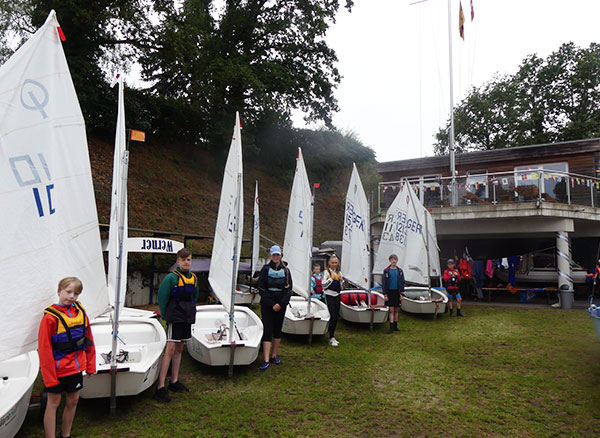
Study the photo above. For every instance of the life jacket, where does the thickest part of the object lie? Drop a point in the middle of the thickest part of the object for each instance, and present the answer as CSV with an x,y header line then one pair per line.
x,y
465,268
277,279
336,284
71,332
181,306
318,284
185,288
451,279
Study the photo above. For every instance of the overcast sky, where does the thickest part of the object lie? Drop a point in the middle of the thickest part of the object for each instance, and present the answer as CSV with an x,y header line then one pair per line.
x,y
394,60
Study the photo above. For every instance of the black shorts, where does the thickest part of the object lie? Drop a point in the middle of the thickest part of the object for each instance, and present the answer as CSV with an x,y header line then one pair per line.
x,y
68,384
179,332
393,298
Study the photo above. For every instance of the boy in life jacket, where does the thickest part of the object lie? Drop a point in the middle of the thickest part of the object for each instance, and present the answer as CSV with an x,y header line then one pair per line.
x,y
451,281
177,297
66,349
316,285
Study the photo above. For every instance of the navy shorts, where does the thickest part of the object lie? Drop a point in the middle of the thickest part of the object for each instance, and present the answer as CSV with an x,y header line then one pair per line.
x,y
456,295
179,332
68,384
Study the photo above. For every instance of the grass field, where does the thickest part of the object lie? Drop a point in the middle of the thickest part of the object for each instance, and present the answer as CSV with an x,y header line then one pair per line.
x,y
498,372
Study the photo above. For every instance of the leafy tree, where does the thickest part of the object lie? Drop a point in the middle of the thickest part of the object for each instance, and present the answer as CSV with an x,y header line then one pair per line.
x,y
263,58
550,100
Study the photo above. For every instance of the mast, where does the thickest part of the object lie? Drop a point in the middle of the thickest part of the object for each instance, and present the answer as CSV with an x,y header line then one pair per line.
x,y
453,194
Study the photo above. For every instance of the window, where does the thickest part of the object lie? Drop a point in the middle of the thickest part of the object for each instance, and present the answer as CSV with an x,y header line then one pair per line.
x,y
550,179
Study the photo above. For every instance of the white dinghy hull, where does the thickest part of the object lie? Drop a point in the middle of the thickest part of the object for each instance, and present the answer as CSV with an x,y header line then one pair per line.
x,y
18,375
297,323
419,300
143,339
205,346
243,296
352,308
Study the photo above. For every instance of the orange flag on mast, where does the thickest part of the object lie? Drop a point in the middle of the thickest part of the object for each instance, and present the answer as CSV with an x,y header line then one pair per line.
x,y
461,22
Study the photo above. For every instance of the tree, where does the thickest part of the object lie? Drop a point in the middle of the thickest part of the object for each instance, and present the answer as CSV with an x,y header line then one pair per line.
x,y
263,58
550,100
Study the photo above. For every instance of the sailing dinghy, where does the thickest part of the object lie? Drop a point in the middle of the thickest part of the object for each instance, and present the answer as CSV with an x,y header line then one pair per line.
x,y
225,334
359,304
409,232
246,294
303,316
127,362
48,218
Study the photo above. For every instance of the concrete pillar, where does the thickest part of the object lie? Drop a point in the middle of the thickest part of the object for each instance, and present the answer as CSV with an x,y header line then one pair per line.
x,y
563,268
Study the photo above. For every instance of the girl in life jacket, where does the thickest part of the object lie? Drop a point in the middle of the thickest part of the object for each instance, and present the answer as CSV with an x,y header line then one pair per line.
x,y
316,283
332,285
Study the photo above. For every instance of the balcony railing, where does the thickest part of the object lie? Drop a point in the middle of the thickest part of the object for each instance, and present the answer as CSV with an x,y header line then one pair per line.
x,y
499,188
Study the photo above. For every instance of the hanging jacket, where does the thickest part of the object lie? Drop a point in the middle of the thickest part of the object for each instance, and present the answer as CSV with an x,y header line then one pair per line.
x,y
465,269
177,297
275,285
59,356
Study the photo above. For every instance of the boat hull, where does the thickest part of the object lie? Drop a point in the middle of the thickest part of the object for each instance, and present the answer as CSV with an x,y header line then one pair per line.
x,y
418,300
297,323
245,297
545,276
15,391
207,350
144,339
362,313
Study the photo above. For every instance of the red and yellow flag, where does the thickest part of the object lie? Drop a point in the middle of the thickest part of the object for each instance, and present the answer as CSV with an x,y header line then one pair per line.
x,y
461,22
137,135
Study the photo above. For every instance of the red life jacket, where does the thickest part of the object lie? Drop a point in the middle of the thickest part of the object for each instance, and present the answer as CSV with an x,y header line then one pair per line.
x,y
319,286
465,268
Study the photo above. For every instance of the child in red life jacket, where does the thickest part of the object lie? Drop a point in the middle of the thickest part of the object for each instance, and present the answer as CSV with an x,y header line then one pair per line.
x,y
451,281
66,349
316,286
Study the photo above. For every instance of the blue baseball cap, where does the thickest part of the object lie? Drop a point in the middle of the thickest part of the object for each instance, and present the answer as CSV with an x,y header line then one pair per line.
x,y
275,249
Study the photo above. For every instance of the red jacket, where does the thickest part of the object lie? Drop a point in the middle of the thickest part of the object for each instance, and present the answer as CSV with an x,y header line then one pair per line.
x,y
72,363
447,275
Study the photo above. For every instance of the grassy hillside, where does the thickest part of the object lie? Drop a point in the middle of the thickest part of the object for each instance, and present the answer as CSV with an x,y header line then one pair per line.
x,y
177,189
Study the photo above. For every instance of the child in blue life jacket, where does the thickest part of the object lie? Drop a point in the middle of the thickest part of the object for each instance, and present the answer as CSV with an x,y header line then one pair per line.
x,y
66,349
177,297
316,285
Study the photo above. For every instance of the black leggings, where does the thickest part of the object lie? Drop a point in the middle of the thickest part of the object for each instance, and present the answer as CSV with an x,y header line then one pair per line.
x,y
272,322
333,304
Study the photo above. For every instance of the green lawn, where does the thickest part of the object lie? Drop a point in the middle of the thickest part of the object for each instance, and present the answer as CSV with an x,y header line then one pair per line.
x,y
497,372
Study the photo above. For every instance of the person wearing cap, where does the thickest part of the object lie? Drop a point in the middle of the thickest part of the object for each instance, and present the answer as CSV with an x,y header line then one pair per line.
x,y
275,289
451,281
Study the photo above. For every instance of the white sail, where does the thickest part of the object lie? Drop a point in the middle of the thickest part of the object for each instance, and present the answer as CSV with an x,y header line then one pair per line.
x,y
297,245
48,220
118,218
403,235
355,244
255,233
225,257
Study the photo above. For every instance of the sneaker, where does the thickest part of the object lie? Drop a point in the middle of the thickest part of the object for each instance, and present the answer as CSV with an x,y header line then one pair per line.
x,y
178,387
162,395
276,360
333,342
264,366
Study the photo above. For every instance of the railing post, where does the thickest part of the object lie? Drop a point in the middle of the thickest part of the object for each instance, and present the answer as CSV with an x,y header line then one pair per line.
x,y
540,184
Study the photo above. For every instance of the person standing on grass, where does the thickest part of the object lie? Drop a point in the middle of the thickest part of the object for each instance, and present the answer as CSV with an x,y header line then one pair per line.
x,y
451,282
177,297
66,349
332,285
275,289
393,286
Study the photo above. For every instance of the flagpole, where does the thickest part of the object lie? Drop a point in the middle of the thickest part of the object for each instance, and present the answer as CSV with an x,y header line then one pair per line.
x,y
453,193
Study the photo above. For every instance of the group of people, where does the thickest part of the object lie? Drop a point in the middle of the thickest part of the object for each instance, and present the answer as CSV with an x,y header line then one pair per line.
x,y
66,344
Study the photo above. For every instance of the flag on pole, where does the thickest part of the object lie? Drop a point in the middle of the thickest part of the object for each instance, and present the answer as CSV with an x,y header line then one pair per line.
x,y
461,22
137,135
472,11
